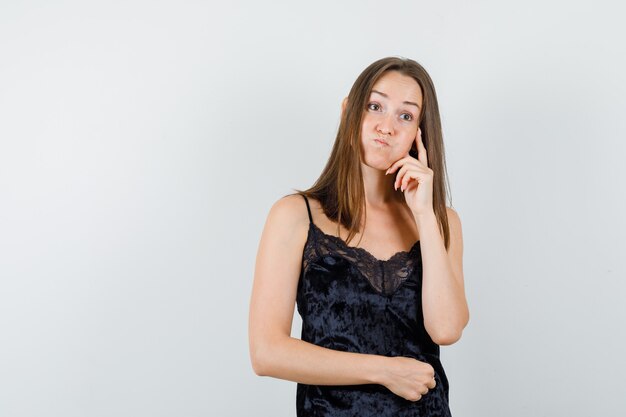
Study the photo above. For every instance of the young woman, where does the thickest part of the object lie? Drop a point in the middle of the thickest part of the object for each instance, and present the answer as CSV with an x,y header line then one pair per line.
x,y
373,312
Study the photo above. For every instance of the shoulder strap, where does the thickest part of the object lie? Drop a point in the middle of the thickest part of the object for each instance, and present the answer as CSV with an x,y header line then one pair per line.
x,y
308,208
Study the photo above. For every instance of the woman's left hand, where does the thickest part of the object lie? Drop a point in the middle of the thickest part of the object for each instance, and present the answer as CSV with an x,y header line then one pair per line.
x,y
415,179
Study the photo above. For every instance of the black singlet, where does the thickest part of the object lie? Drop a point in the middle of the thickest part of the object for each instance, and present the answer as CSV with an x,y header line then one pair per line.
x,y
351,301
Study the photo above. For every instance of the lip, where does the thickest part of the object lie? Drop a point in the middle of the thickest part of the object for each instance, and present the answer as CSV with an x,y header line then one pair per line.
x,y
381,141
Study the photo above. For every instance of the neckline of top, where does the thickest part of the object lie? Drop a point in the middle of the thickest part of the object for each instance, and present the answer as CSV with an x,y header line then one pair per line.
x,y
341,242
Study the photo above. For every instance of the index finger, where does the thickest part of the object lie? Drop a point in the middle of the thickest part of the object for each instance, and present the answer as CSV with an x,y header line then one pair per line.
x,y
421,149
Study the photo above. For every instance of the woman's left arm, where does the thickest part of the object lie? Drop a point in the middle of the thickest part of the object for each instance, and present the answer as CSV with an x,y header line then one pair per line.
x,y
443,292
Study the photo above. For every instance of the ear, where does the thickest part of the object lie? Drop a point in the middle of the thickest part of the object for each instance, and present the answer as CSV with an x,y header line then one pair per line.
x,y
343,105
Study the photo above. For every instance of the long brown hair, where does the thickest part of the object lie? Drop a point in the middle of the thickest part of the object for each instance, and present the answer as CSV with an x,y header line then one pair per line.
x,y
339,188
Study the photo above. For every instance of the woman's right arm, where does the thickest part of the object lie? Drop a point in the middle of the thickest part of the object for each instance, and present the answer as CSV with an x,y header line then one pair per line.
x,y
273,351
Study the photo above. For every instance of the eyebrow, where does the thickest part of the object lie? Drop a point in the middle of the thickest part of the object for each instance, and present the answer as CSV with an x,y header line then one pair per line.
x,y
386,96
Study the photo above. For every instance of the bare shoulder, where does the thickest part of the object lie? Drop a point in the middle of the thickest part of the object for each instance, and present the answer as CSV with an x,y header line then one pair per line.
x,y
290,212
453,217
454,223
456,242
287,221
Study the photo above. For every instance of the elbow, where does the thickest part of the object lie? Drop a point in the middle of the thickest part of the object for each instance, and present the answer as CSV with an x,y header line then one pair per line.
x,y
257,368
445,339
263,355
256,357
446,336
256,364
257,361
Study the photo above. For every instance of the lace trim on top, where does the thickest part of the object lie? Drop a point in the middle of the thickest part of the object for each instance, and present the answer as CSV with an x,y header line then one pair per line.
x,y
385,276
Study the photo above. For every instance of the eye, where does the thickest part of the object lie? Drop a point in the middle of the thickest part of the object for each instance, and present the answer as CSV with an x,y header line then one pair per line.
x,y
370,105
409,118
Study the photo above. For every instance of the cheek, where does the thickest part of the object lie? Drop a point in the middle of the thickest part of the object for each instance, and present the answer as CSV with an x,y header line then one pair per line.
x,y
409,138
367,124
405,145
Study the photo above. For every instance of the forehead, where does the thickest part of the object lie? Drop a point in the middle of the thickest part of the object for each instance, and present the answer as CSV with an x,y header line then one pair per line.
x,y
398,87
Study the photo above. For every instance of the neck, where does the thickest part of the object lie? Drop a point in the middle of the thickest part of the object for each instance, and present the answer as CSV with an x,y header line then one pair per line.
x,y
378,188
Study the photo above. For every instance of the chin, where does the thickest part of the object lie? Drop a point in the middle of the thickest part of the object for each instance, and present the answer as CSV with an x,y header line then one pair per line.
x,y
378,164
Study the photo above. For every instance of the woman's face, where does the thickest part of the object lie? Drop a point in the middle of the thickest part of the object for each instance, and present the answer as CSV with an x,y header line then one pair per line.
x,y
390,120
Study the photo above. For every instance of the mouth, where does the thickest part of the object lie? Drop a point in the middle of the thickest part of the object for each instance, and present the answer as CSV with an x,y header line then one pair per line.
x,y
381,141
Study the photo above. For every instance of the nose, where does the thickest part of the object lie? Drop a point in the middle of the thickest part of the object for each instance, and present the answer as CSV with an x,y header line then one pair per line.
x,y
385,125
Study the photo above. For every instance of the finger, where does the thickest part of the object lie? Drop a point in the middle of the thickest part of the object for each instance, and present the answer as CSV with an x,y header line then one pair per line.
x,y
395,165
398,184
432,383
413,174
409,164
389,169
399,177
421,149
400,163
405,180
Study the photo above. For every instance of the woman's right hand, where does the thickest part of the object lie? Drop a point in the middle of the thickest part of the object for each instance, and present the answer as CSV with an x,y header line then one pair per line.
x,y
407,377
